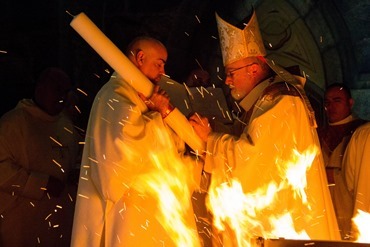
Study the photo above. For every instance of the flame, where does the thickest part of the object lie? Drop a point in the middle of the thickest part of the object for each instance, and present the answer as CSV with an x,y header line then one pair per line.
x,y
284,226
168,181
361,221
297,168
173,198
246,216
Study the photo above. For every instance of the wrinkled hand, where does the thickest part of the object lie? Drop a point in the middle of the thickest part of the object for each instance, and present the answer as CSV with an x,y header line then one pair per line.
x,y
201,126
159,101
54,186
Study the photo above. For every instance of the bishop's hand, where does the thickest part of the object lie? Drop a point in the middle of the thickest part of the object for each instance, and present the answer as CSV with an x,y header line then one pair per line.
x,y
201,126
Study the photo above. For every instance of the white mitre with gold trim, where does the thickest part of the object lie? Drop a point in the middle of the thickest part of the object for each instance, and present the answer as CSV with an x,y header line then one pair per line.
x,y
239,43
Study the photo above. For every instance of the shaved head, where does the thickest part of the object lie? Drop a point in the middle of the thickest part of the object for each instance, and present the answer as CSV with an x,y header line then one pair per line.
x,y
142,43
149,55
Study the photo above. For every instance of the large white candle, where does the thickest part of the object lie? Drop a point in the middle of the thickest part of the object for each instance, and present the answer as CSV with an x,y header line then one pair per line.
x,y
111,54
130,73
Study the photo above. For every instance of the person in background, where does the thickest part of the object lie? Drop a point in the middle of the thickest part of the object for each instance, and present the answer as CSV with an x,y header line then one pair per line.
x,y
38,153
131,158
277,123
198,78
356,170
334,137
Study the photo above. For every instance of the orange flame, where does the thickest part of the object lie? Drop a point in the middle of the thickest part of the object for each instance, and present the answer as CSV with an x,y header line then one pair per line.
x,y
362,221
168,181
251,215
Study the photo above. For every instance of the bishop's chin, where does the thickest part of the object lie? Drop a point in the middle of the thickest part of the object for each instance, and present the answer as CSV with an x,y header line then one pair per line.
x,y
236,95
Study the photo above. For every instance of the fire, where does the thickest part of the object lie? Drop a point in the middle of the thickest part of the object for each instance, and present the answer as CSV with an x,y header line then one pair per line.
x,y
169,182
245,216
362,220
173,198
284,227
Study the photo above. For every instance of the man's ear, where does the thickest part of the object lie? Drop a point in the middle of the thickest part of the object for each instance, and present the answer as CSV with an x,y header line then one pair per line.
x,y
140,57
254,69
351,102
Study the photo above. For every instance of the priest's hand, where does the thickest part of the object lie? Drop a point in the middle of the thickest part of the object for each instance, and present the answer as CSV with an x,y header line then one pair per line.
x,y
201,126
159,101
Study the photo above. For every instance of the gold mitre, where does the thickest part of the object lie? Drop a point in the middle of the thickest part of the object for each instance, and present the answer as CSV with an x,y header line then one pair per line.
x,y
236,43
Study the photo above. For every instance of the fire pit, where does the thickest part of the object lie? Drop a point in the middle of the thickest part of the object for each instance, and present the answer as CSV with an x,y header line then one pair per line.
x,y
260,242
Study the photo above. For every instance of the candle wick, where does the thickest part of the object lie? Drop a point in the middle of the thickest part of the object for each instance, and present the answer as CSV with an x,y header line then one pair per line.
x,y
69,13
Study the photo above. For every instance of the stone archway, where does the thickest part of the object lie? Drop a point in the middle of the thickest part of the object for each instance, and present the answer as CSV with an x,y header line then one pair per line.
x,y
289,41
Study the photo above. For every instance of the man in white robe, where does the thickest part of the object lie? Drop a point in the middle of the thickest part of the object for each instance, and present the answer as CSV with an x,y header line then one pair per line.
x,y
278,127
38,154
134,172
356,165
334,137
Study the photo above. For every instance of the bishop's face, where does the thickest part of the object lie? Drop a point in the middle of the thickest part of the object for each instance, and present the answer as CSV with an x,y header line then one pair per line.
x,y
240,77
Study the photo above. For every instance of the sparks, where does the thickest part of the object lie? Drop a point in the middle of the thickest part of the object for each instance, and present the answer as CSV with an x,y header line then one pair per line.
x,y
200,66
60,144
189,92
197,18
186,104
47,217
56,162
68,130
83,196
81,91
77,109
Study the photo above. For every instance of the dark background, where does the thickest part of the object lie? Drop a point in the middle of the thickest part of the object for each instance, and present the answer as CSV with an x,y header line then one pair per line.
x,y
36,34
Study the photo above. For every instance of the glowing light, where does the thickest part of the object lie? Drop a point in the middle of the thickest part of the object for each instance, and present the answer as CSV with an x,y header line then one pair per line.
x,y
83,196
55,162
47,217
167,182
68,130
81,91
186,103
245,216
362,222
60,144
197,18
200,66
77,109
